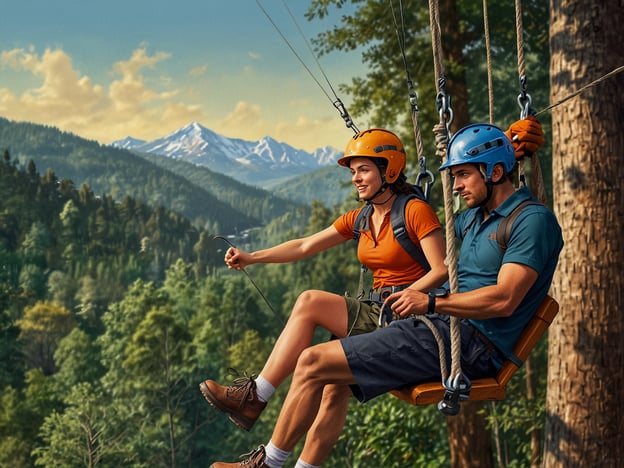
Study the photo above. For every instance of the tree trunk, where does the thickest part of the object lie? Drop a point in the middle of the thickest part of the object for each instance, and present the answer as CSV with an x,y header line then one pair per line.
x,y
584,406
469,439
452,48
530,395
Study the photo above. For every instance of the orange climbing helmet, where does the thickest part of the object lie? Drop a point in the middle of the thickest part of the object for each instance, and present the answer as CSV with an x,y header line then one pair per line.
x,y
377,143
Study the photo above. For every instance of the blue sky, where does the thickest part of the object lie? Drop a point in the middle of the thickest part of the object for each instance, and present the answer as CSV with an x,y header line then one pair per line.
x,y
144,68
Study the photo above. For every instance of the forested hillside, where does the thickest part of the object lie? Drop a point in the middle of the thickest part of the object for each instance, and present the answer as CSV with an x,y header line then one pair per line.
x,y
253,202
111,312
50,228
119,173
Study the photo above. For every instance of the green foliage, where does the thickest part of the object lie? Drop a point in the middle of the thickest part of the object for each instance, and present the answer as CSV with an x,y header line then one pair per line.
x,y
41,329
118,173
256,204
114,307
390,433
77,436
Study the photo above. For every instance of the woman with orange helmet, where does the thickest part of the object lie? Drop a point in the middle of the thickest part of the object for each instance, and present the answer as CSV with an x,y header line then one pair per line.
x,y
376,159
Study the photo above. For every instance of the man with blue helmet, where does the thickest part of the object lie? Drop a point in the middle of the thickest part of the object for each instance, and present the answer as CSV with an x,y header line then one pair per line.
x,y
499,291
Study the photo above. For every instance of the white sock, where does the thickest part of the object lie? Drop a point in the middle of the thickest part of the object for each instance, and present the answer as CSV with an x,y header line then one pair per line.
x,y
264,389
302,464
275,457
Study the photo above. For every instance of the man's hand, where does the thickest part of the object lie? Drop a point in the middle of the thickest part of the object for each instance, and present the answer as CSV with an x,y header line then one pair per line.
x,y
408,302
526,136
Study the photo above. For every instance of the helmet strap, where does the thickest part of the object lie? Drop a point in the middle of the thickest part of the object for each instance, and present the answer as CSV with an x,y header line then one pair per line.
x,y
489,185
382,189
385,201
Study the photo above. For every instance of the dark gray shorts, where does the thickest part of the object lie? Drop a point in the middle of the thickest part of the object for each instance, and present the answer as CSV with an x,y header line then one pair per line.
x,y
406,353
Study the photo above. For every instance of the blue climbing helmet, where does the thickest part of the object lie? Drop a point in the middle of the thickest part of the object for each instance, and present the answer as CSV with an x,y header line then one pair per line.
x,y
481,144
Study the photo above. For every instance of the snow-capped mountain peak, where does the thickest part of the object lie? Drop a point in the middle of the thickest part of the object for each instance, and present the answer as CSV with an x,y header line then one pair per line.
x,y
256,162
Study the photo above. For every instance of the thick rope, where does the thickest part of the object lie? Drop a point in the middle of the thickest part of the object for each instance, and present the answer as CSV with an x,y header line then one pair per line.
x,y
519,39
442,137
521,69
488,54
537,180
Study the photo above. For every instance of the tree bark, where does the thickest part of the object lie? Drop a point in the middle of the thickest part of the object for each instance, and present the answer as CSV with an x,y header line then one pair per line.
x,y
469,439
584,403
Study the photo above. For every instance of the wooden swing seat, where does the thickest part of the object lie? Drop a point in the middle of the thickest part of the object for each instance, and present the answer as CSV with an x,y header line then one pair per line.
x,y
490,388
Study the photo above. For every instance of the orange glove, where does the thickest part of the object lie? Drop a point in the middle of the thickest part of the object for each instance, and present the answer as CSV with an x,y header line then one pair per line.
x,y
526,136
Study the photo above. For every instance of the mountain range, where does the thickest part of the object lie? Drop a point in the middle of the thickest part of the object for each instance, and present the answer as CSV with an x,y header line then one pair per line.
x,y
263,163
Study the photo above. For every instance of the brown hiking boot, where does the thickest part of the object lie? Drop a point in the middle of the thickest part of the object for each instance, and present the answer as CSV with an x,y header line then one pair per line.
x,y
254,459
239,401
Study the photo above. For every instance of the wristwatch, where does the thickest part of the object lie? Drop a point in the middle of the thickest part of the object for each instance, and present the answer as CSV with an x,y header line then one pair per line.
x,y
437,292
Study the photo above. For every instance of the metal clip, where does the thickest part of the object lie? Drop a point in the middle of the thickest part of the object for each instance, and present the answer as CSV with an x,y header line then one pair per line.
x,y
423,174
345,116
443,103
457,390
385,315
524,99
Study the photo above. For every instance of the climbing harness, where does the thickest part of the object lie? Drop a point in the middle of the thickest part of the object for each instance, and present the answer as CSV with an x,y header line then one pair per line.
x,y
336,101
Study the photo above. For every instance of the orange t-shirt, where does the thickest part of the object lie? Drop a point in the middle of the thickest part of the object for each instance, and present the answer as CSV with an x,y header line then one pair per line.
x,y
390,263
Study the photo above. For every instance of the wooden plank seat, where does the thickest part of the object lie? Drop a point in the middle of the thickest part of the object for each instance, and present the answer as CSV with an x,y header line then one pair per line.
x,y
491,388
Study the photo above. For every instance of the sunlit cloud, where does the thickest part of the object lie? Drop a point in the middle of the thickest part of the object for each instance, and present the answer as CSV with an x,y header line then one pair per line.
x,y
251,123
72,102
254,55
143,101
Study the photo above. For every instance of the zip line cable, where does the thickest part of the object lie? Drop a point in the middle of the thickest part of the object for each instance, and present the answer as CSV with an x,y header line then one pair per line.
x,y
337,102
597,81
413,100
413,96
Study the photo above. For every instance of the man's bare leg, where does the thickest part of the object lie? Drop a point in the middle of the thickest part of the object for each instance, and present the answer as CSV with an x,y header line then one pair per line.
x,y
328,424
317,367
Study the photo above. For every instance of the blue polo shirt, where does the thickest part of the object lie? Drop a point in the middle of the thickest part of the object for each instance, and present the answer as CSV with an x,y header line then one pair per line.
x,y
535,241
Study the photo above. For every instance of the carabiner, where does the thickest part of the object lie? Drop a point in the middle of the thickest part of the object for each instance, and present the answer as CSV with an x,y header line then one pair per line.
x,y
457,390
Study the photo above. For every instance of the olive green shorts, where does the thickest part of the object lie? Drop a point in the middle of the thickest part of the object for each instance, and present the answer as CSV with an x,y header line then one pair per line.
x,y
362,316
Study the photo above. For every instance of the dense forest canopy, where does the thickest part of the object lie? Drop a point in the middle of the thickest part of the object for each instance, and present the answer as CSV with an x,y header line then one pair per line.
x,y
114,301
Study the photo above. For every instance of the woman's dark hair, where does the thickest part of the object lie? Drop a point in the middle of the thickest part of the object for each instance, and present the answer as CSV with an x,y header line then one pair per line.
x,y
400,185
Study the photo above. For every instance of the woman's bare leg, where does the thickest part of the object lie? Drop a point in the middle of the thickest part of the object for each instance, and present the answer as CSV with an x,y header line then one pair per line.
x,y
312,309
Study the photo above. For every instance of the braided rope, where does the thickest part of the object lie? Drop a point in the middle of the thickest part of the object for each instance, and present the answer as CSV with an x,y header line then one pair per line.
x,y
442,137
537,180
488,54
520,39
